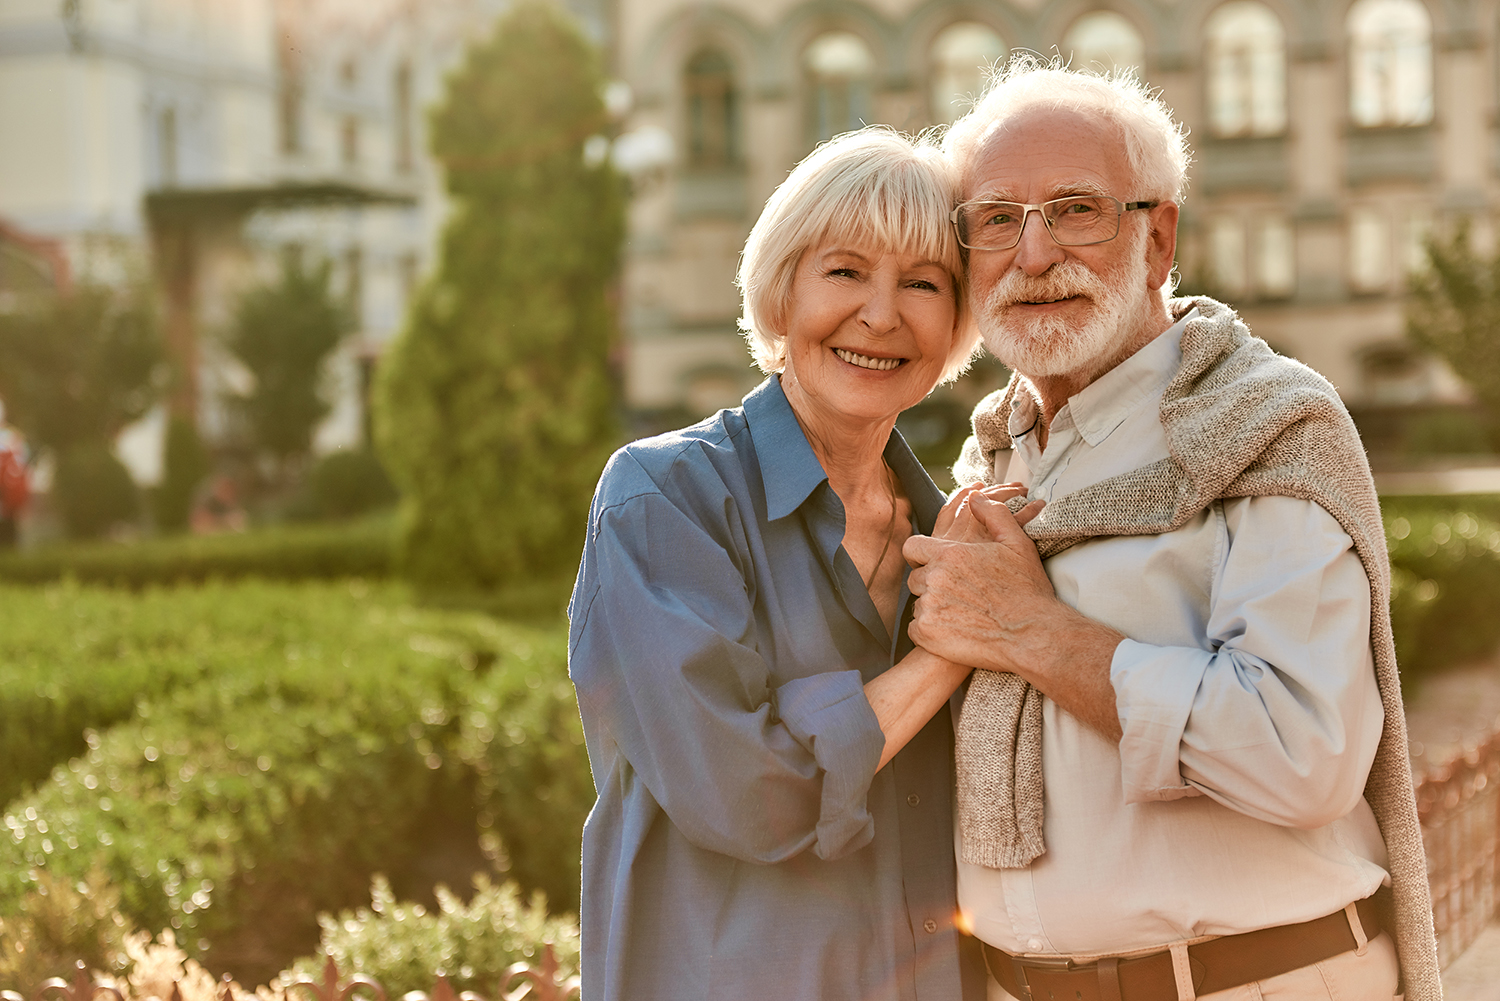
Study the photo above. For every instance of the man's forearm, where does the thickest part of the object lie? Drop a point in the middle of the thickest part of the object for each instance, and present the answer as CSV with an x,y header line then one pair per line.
x,y
1067,656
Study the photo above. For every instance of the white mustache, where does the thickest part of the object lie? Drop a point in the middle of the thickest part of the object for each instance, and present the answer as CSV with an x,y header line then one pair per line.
x,y
1061,281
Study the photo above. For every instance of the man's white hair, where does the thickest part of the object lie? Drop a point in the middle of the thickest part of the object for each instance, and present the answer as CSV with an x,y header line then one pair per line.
x,y
872,188
1156,147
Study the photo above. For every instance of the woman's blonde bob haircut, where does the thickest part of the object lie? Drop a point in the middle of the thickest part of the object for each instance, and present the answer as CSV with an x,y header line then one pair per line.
x,y
873,188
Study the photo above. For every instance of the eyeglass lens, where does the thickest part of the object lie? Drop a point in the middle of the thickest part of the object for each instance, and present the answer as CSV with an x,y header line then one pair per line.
x,y
1074,221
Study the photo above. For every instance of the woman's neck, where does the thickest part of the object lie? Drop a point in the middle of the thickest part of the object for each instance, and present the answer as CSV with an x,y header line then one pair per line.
x,y
851,452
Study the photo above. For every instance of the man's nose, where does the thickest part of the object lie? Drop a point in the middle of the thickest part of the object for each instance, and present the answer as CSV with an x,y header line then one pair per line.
x,y
1037,251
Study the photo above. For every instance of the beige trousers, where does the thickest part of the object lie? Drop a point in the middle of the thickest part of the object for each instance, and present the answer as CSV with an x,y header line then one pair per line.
x,y
1346,977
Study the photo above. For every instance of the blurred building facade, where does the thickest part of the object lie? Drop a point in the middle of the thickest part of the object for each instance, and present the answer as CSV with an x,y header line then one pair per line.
x,y
1330,140
199,140
196,142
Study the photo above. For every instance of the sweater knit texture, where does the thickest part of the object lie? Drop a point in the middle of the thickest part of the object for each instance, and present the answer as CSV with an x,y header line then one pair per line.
x,y
1240,421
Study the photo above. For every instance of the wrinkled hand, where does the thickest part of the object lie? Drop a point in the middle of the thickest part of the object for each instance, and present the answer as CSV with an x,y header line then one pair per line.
x,y
982,595
959,521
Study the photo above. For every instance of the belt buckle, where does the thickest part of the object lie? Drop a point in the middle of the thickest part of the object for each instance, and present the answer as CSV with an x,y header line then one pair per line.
x,y
1061,964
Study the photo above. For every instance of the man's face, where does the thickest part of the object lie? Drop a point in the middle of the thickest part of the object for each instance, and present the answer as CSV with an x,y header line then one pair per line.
x,y
1047,310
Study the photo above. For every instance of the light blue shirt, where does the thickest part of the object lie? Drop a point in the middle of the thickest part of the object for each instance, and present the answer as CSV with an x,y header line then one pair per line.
x,y
743,844
1246,691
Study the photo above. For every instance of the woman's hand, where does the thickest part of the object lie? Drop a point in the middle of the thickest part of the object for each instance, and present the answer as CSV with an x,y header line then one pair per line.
x,y
957,522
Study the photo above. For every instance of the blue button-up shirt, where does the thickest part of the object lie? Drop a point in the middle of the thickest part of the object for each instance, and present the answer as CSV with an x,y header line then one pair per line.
x,y
743,844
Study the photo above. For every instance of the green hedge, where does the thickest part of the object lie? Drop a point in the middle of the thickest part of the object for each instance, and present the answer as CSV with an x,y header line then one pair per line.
x,y
286,552
310,735
1445,582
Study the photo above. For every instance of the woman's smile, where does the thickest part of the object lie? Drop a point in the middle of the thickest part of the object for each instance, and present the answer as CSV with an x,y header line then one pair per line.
x,y
868,361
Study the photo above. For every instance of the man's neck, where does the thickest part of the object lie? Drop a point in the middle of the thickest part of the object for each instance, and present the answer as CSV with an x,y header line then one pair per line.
x,y
1056,390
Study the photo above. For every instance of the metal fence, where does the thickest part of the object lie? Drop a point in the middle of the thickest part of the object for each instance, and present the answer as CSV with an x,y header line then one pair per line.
x,y
522,982
1459,804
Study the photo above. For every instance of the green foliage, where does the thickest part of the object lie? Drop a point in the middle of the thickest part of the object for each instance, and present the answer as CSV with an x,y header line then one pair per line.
x,y
349,483
1445,568
186,464
60,923
283,333
494,407
364,548
76,369
94,490
256,751
1454,311
402,945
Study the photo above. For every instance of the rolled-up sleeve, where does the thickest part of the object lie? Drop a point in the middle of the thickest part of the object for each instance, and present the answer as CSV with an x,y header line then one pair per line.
x,y
1280,717
663,658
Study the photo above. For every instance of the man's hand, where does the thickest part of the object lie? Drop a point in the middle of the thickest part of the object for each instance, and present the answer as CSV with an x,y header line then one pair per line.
x,y
958,522
990,604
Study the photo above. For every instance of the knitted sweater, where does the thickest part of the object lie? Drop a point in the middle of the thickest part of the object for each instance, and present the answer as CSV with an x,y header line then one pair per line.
x,y
1240,421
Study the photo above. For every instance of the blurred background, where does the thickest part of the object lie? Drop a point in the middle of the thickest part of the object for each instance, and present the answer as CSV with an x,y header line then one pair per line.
x,y
319,318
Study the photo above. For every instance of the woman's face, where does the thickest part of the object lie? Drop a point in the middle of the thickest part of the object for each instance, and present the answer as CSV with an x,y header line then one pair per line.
x,y
868,332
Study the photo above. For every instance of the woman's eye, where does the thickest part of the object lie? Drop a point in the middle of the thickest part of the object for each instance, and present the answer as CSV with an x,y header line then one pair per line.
x,y
925,285
844,272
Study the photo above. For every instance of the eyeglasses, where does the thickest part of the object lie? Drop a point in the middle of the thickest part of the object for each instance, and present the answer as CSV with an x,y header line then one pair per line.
x,y
1075,221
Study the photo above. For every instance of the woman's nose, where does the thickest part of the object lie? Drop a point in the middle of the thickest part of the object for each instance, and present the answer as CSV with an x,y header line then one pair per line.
x,y
879,312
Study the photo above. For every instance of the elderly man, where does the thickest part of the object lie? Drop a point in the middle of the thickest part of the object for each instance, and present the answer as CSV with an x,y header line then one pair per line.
x,y
1200,675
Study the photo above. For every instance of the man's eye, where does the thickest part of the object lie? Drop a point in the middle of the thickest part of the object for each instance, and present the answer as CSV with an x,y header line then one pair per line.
x,y
1000,219
1077,208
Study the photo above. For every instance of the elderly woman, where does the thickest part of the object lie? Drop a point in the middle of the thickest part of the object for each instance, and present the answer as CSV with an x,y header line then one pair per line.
x,y
774,774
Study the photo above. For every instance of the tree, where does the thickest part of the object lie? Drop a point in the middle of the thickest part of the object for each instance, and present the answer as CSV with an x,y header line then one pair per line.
x,y
495,405
74,370
283,332
1454,311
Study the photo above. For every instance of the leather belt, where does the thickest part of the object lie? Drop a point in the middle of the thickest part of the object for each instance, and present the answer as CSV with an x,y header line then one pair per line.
x,y
1217,964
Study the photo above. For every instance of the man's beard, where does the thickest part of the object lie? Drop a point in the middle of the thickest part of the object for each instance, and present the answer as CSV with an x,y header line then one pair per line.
x,y
1053,345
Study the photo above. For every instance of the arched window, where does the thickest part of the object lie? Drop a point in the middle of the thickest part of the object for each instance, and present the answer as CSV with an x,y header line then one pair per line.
x,y
713,110
1246,57
1390,63
961,54
1104,40
840,68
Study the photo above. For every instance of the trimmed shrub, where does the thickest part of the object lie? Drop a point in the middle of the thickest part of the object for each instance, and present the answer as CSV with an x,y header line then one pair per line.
x,y
1445,577
93,491
494,408
285,552
350,483
187,464
403,945
309,737
283,333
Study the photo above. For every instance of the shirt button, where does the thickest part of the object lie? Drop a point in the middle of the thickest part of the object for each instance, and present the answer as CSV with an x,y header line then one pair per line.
x,y
930,926
913,799
1035,945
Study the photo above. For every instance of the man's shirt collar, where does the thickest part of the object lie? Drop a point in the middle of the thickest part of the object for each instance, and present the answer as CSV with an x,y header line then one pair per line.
x,y
1102,405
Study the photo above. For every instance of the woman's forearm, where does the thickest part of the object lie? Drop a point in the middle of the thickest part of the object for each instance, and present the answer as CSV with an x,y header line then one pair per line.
x,y
906,697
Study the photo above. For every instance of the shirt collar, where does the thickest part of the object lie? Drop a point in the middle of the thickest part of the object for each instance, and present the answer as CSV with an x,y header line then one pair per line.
x,y
790,471
788,468
1102,405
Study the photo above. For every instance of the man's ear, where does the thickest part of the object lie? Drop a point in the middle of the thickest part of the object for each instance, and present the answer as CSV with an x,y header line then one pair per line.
x,y
1161,244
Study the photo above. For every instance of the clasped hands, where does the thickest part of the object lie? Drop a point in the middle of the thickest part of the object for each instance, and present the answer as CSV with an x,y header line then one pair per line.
x,y
978,579
983,599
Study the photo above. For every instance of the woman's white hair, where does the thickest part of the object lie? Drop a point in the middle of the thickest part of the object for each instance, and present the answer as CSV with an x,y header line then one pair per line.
x,y
1156,148
873,188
